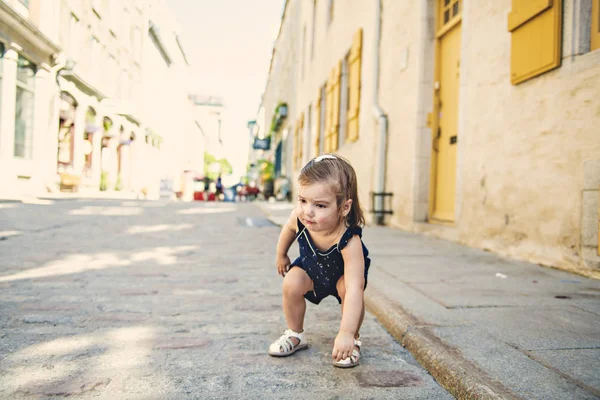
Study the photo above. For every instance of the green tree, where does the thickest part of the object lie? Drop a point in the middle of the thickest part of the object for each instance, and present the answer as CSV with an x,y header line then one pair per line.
x,y
212,170
267,170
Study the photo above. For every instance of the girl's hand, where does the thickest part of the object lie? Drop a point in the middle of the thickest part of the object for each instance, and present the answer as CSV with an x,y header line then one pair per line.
x,y
283,262
343,346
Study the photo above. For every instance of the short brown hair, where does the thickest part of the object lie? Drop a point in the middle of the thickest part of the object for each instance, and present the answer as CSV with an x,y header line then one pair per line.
x,y
338,172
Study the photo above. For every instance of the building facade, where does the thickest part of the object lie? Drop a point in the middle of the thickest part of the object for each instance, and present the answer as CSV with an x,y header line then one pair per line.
x,y
168,111
28,56
115,77
99,122
472,122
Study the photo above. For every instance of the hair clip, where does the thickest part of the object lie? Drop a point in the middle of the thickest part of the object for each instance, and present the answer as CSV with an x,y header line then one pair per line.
x,y
325,156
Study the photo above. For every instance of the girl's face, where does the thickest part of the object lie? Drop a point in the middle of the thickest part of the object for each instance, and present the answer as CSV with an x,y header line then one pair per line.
x,y
317,207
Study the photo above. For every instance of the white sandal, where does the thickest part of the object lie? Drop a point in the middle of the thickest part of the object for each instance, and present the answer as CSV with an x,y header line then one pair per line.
x,y
284,346
351,361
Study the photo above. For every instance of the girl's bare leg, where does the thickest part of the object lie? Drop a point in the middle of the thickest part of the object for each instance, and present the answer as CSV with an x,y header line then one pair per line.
x,y
295,284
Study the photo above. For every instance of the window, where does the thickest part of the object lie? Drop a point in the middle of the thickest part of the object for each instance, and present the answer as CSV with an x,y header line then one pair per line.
x,y
448,10
329,11
96,57
124,85
314,30
344,103
595,33
112,75
298,142
2,49
536,36
74,36
333,109
24,107
303,52
96,8
308,132
318,123
136,44
354,72
322,120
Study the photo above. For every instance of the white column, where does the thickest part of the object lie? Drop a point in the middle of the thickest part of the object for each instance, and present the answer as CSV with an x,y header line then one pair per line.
x,y
97,153
125,167
7,123
43,133
50,136
9,96
78,156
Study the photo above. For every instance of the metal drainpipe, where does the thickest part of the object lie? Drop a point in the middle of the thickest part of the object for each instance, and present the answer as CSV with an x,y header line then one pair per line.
x,y
381,119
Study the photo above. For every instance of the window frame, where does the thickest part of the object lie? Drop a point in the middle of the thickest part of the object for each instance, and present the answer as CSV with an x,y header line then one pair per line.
x,y
302,63
344,100
595,26
28,87
322,119
74,35
314,30
2,51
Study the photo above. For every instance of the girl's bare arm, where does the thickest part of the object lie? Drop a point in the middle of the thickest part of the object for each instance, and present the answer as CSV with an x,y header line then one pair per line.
x,y
286,238
354,281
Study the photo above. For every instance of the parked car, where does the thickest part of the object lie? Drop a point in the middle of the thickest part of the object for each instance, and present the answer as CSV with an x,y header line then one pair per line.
x,y
248,192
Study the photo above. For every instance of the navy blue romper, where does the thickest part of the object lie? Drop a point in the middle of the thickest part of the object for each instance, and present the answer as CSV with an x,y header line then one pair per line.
x,y
325,269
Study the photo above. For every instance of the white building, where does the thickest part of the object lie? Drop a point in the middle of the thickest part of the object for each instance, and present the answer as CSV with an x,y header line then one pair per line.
x,y
28,53
209,114
93,93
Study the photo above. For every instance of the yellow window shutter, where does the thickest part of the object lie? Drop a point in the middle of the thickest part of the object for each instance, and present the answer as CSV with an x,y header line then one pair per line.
x,y
328,110
595,33
295,151
536,31
318,123
335,124
301,140
297,145
354,71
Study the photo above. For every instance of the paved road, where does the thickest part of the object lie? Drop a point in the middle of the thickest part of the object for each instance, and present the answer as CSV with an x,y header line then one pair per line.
x,y
153,300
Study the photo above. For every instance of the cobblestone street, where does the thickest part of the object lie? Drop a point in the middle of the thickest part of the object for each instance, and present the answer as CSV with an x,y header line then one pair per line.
x,y
121,299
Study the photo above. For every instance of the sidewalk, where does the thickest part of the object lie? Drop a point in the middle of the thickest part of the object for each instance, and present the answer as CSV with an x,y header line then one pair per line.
x,y
486,327
38,198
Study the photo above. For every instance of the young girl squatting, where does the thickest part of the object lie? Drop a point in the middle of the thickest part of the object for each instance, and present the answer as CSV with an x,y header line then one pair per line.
x,y
333,260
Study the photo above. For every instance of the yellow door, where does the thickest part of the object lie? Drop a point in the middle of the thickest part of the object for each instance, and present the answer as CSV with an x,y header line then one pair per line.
x,y
445,134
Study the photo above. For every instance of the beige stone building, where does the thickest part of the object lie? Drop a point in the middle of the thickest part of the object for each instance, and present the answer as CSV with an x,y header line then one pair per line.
x,y
99,118
28,62
94,94
476,122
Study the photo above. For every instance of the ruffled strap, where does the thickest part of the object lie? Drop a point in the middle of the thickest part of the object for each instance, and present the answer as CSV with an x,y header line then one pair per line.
x,y
350,232
300,227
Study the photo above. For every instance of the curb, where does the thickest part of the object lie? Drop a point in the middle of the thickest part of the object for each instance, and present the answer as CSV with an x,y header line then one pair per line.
x,y
459,376
9,201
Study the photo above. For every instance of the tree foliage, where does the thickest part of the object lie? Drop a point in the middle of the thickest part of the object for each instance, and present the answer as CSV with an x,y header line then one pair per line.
x,y
213,167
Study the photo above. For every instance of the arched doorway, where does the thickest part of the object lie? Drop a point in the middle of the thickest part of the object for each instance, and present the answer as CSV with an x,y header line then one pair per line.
x,y
108,149
92,127
66,130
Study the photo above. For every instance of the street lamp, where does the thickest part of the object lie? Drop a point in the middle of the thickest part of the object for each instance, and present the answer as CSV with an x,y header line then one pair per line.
x,y
64,68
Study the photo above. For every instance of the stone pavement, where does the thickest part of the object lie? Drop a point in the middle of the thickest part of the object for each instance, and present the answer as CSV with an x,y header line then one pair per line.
x,y
486,327
122,299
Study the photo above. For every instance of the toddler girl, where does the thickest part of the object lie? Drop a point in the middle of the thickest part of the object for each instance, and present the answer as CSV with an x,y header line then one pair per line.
x,y
333,260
